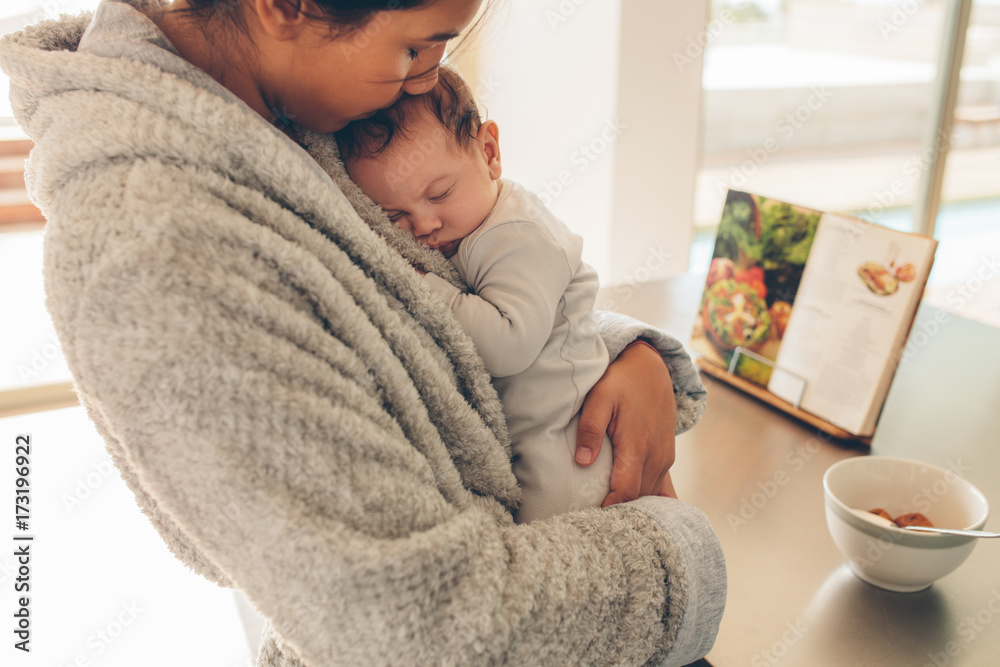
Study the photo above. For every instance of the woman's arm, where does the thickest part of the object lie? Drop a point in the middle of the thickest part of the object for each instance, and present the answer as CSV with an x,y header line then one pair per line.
x,y
291,453
644,399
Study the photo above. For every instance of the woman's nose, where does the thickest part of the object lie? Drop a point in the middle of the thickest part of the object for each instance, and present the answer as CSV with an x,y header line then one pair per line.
x,y
421,84
425,70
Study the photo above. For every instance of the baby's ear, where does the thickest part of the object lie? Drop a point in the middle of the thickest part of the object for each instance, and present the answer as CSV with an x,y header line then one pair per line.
x,y
488,138
281,20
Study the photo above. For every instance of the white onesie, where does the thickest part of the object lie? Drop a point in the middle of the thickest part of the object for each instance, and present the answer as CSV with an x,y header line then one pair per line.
x,y
531,318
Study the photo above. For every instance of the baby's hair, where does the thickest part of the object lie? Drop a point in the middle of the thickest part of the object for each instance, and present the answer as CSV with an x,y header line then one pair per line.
x,y
450,100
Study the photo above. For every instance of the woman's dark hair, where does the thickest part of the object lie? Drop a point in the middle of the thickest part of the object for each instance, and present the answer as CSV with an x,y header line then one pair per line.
x,y
348,14
222,20
224,23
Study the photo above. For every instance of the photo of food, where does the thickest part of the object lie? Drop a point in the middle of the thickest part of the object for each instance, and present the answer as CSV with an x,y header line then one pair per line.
x,y
906,273
735,315
878,279
760,252
882,281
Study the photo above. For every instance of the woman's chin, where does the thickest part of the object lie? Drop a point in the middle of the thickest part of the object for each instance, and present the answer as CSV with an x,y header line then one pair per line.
x,y
335,124
324,124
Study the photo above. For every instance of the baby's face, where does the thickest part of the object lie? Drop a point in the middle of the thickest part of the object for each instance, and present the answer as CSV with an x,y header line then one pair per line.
x,y
429,185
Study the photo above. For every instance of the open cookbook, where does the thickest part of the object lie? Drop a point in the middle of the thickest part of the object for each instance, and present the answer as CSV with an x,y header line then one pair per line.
x,y
809,310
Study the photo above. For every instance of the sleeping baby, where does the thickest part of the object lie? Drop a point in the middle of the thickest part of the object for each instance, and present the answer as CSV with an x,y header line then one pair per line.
x,y
434,166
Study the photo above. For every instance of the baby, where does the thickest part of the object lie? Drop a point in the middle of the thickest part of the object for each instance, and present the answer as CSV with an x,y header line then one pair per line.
x,y
434,167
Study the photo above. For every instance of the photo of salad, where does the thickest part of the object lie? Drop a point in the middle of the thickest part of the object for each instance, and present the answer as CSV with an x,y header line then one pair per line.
x,y
735,315
760,253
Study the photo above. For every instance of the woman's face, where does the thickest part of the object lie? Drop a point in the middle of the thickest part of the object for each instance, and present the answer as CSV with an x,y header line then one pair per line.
x,y
324,83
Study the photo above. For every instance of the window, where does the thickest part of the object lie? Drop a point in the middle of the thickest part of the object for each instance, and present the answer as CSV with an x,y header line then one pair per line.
x,y
34,370
101,579
828,103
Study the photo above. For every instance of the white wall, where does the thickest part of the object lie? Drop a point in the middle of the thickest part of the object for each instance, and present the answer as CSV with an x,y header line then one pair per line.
x,y
551,69
597,117
657,155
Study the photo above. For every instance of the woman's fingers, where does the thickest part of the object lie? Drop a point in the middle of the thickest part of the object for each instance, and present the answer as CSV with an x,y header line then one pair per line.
x,y
595,416
634,403
666,487
626,480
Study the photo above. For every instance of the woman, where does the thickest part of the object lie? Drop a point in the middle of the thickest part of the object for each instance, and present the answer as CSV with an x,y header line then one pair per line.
x,y
297,415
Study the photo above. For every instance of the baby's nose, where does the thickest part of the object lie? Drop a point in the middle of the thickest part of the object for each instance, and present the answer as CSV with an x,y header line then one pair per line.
x,y
426,225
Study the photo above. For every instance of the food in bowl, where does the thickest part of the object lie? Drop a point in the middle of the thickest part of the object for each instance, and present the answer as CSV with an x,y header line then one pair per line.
x,y
878,511
887,556
907,519
913,519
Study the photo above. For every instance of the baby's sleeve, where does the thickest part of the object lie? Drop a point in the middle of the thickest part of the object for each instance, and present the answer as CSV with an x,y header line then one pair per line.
x,y
518,274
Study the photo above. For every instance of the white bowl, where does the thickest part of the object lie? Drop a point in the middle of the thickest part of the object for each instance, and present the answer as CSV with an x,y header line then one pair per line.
x,y
890,557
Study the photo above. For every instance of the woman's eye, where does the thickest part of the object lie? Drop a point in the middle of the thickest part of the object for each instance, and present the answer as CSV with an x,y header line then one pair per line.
x,y
413,54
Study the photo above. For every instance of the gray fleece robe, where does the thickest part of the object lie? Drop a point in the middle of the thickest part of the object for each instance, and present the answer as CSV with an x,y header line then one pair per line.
x,y
295,412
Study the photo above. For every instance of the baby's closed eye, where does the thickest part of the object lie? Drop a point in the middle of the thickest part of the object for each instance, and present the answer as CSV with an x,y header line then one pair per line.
x,y
442,196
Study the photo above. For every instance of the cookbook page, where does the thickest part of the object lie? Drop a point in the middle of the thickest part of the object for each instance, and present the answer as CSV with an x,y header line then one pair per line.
x,y
760,252
854,305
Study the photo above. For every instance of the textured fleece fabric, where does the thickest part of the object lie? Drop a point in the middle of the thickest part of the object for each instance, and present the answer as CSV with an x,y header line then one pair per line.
x,y
296,413
531,315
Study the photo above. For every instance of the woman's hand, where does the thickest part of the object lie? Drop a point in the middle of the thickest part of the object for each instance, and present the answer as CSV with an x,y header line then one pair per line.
x,y
634,403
